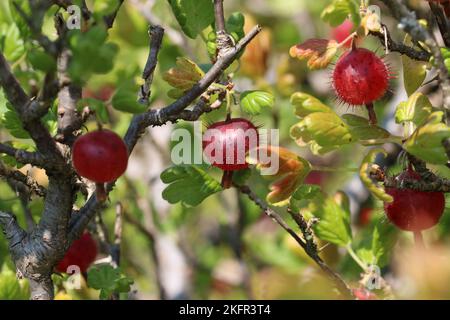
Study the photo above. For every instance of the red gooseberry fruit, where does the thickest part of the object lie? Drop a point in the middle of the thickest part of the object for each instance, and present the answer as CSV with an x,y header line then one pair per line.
x,y
360,77
414,210
100,156
227,143
363,294
342,32
82,253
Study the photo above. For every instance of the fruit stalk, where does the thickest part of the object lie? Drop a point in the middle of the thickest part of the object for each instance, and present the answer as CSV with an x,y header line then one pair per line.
x,y
372,115
100,192
418,239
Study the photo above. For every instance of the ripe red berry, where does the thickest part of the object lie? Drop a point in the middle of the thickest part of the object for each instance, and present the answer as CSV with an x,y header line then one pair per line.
x,y
226,144
414,210
100,156
82,253
342,32
363,294
360,77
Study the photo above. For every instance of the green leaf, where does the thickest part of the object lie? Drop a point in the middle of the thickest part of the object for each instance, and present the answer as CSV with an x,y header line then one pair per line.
x,y
253,101
305,104
383,240
417,109
414,73
41,60
326,129
11,43
304,192
362,130
338,11
12,122
188,184
11,288
108,280
125,99
426,142
235,24
91,53
334,222
193,15
378,250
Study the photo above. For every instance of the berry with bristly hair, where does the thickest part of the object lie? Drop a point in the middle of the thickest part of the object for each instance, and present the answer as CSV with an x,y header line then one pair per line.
x,y
82,253
227,143
414,210
360,77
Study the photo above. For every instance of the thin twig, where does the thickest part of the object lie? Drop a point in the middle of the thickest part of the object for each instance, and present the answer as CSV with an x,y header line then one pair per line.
x,y
343,288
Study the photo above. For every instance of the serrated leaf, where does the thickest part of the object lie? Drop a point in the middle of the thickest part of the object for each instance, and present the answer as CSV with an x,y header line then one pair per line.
x,y
13,124
292,171
252,102
334,222
304,192
426,142
108,280
417,109
364,173
383,240
185,75
305,104
193,15
318,52
11,42
188,184
338,11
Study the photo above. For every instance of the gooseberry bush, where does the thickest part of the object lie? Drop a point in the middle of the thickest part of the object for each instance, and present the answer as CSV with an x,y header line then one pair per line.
x,y
169,149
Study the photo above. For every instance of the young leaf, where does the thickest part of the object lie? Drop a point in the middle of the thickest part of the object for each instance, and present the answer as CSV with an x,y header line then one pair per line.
x,y
338,11
383,240
193,15
364,173
253,101
292,170
305,104
414,73
318,52
426,142
417,109
185,75
188,184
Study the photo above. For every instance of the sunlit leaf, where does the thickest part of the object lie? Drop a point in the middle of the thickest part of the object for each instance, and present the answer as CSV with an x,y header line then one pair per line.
x,y
188,184
417,109
252,102
318,52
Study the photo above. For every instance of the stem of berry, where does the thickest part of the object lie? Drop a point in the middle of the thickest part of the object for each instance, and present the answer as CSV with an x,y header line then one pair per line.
x,y
418,239
372,115
227,179
100,192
